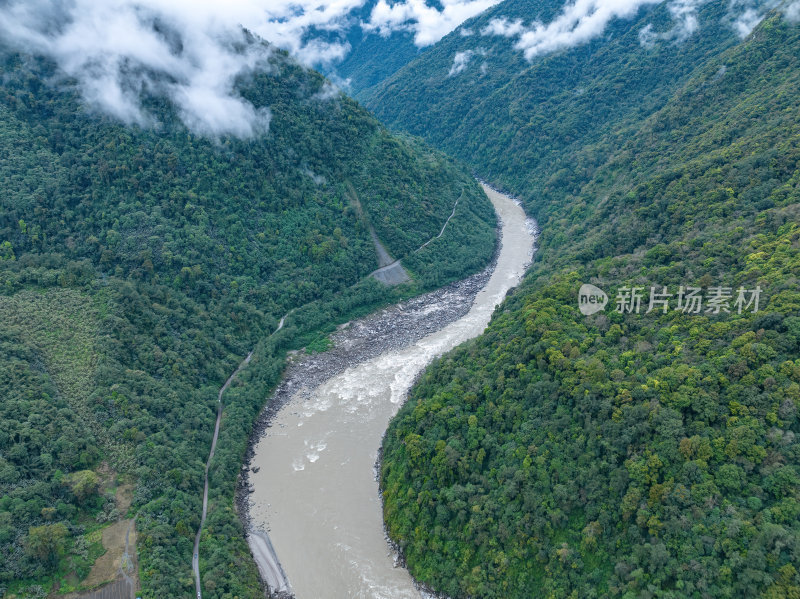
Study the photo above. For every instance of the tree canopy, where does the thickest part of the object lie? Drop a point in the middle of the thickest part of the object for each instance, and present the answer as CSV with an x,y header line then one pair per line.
x,y
624,454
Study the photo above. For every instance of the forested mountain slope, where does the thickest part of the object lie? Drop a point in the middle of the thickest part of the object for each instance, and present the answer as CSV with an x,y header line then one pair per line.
x,y
625,454
523,123
371,56
139,266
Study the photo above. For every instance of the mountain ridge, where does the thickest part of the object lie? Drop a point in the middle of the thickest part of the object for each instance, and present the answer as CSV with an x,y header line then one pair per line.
x,y
180,253
627,453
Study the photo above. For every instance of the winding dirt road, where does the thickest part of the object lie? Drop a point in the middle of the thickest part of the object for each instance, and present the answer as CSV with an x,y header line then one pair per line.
x,y
196,553
391,272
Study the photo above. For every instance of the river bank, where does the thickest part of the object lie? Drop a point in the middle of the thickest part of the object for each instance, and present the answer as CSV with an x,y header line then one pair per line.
x,y
391,328
313,488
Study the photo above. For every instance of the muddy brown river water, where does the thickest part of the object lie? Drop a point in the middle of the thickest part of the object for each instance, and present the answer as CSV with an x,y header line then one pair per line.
x,y
315,491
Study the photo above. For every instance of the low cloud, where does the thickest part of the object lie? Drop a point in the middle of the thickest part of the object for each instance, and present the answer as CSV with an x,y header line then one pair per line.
x,y
329,91
685,23
684,13
745,15
578,23
320,52
504,27
428,23
462,59
317,179
792,11
746,22
289,24
118,50
193,51
581,21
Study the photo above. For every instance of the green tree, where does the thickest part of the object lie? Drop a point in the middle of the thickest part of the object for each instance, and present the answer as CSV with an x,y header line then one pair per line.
x,y
83,484
46,542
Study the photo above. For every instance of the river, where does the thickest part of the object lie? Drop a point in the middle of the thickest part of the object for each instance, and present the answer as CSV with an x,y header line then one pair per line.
x,y
313,479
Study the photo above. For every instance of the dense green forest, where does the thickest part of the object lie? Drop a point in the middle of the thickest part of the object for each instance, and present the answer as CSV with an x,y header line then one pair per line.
x,y
523,123
139,266
619,454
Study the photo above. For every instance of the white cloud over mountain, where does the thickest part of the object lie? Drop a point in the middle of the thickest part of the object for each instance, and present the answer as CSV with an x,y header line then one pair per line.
x,y
192,51
429,24
581,21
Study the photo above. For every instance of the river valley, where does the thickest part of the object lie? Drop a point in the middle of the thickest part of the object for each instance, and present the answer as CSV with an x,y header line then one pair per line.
x,y
314,509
